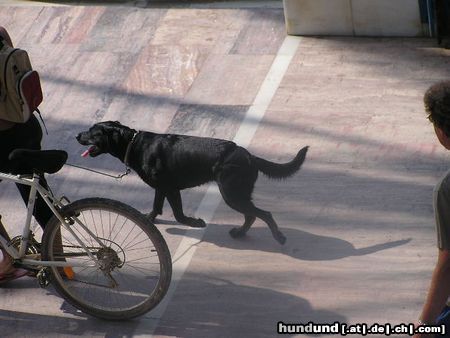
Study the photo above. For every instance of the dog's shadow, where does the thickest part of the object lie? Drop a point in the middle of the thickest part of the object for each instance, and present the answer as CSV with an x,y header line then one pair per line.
x,y
300,244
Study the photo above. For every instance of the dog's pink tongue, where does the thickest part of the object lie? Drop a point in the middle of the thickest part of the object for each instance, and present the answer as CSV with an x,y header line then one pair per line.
x,y
86,152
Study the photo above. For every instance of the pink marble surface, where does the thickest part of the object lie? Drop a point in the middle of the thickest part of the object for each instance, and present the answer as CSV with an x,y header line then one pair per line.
x,y
162,70
358,216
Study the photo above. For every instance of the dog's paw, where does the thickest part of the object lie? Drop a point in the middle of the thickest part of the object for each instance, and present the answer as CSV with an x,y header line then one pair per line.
x,y
236,233
279,237
197,223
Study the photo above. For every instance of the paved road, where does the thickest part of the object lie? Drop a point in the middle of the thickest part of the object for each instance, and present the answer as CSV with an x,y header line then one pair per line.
x,y
358,216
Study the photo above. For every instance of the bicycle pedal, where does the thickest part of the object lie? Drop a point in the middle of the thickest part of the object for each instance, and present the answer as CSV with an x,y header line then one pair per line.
x,y
43,277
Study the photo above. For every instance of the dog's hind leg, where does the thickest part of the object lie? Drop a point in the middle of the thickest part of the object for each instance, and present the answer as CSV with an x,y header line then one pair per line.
x,y
251,211
175,202
236,187
242,230
158,204
266,216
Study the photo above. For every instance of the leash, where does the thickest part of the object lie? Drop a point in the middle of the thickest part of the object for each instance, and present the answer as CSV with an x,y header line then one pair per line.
x,y
117,177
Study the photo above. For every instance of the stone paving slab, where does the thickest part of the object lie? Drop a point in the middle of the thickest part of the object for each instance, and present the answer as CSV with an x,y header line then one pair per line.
x,y
358,216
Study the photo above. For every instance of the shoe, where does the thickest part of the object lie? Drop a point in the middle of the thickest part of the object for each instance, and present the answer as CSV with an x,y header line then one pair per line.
x,y
7,270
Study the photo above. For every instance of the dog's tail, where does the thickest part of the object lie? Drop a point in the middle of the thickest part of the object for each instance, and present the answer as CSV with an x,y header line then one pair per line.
x,y
283,170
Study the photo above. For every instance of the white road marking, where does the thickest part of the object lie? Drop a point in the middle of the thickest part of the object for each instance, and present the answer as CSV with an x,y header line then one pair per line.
x,y
212,198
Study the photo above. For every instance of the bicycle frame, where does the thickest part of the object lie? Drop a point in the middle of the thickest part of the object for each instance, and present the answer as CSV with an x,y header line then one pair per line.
x,y
53,204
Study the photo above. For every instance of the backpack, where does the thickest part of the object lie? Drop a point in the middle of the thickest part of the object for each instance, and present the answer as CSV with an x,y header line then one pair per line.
x,y
20,86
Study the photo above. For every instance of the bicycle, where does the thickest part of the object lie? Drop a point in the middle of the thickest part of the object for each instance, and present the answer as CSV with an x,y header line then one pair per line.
x,y
102,256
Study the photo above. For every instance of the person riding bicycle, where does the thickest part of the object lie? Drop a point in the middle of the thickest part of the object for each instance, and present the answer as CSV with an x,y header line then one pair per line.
x,y
26,135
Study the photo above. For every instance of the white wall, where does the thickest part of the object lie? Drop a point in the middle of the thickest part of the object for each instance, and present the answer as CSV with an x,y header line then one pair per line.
x,y
353,17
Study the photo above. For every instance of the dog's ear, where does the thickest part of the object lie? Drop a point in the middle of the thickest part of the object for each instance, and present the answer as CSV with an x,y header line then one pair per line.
x,y
118,123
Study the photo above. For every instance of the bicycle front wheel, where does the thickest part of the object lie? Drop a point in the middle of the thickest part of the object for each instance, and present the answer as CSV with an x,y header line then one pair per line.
x,y
117,264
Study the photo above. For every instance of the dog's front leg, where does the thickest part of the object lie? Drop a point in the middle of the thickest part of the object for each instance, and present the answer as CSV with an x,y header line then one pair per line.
x,y
174,199
158,203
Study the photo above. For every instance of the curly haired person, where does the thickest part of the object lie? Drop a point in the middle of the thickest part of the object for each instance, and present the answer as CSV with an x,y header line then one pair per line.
x,y
435,310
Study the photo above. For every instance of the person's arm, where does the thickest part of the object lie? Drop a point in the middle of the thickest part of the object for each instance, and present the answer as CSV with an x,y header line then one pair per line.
x,y
438,292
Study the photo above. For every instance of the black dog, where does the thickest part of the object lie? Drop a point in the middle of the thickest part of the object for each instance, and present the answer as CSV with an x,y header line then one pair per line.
x,y
170,163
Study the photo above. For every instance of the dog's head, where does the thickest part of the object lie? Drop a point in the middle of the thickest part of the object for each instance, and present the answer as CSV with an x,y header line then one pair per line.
x,y
103,137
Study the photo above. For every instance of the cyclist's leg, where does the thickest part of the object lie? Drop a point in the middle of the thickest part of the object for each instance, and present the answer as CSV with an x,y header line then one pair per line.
x,y
7,270
24,135
41,212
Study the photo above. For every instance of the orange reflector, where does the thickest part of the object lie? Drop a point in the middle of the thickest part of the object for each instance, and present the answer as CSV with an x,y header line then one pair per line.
x,y
69,272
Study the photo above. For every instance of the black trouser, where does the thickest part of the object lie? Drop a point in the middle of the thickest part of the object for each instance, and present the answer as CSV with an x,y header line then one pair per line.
x,y
28,136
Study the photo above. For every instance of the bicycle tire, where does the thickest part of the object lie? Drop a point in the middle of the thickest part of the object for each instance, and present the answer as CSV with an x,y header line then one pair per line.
x,y
142,280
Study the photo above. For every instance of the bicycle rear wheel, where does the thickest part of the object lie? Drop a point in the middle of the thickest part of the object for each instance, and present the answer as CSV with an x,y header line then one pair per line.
x,y
128,270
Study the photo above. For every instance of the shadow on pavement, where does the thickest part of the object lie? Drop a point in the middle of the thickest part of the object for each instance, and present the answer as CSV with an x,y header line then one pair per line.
x,y
205,307
300,244
24,324
232,310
